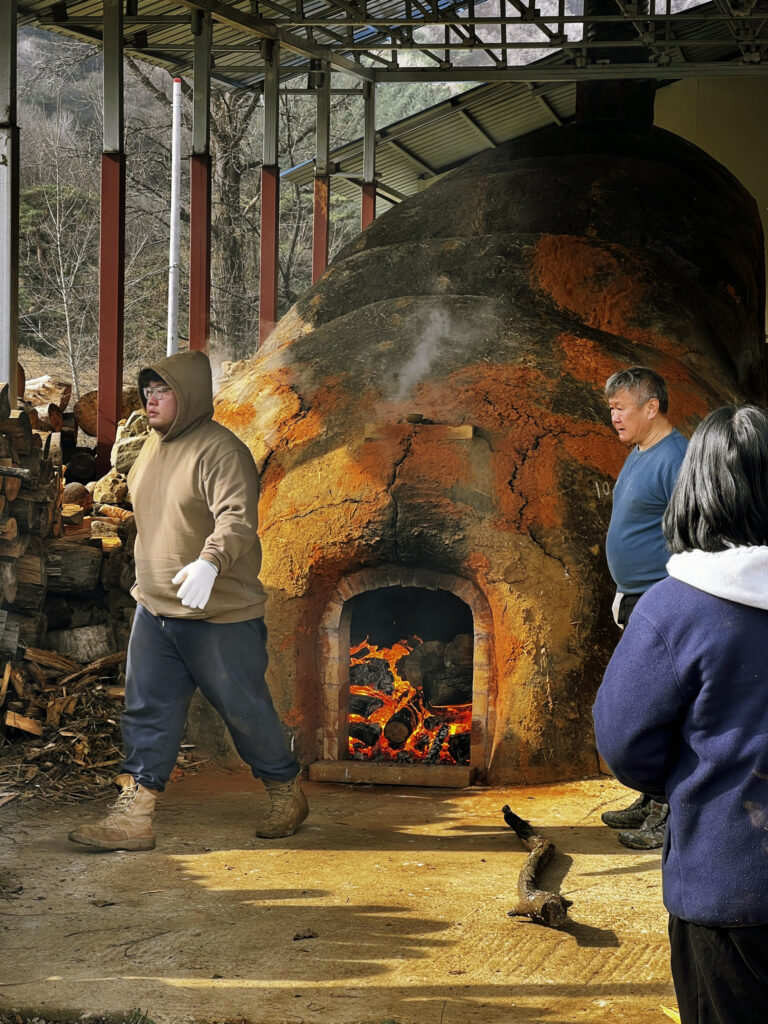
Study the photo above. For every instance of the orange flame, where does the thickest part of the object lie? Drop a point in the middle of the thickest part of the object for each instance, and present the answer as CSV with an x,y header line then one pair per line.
x,y
432,725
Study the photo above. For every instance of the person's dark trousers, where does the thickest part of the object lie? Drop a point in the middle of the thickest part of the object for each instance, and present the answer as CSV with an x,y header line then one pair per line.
x,y
626,608
720,974
167,660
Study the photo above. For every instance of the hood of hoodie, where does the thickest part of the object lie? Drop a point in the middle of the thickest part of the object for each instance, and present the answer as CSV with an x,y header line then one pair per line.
x,y
737,574
189,374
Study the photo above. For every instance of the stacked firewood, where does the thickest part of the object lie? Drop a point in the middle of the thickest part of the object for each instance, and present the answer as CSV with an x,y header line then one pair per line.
x,y
66,568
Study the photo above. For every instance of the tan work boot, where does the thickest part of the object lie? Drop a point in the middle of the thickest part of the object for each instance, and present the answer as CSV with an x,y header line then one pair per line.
x,y
128,827
289,809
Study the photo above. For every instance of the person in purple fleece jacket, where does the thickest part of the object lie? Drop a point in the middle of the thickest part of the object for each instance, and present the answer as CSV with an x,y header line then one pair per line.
x,y
682,714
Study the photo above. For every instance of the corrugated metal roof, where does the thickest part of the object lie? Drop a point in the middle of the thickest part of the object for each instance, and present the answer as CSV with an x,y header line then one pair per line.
x,y
161,31
441,137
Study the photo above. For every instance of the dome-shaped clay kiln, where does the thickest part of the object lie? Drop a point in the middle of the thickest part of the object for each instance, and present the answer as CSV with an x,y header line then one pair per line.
x,y
430,415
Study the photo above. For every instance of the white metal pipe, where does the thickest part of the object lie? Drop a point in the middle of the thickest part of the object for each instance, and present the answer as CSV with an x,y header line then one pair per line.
x,y
173,261
9,201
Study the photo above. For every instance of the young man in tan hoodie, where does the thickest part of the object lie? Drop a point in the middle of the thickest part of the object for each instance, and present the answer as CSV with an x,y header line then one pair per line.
x,y
200,606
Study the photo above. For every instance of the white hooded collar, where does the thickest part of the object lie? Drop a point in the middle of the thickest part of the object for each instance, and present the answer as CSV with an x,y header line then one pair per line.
x,y
737,574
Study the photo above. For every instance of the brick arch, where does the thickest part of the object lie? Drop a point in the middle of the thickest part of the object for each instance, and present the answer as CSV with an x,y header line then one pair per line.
x,y
335,644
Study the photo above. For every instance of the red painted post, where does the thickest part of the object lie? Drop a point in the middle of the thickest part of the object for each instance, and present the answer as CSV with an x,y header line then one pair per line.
x,y
270,216
320,225
367,205
111,304
199,252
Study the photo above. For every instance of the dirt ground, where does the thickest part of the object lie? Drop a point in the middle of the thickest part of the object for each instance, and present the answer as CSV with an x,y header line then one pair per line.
x,y
390,905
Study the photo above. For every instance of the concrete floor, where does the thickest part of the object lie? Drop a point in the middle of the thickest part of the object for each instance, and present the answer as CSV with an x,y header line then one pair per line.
x,y
389,905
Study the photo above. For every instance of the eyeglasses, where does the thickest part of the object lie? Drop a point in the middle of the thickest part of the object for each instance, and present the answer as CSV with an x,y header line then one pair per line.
x,y
156,392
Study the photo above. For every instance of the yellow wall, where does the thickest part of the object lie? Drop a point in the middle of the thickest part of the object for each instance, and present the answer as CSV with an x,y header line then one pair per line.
x,y
727,118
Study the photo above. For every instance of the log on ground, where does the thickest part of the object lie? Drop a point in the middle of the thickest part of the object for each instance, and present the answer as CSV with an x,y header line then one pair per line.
x,y
549,908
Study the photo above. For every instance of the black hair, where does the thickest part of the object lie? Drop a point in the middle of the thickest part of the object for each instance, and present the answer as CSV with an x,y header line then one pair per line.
x,y
148,374
721,495
642,383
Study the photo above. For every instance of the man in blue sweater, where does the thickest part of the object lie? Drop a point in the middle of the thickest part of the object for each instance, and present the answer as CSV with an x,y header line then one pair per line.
x,y
635,546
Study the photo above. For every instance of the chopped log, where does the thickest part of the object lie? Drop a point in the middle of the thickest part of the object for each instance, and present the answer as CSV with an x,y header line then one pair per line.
x,y
40,390
549,908
17,721
10,482
88,643
32,515
17,471
71,568
8,584
78,494
360,704
4,681
86,409
115,512
17,427
400,726
10,550
9,528
374,672
5,402
448,686
100,665
30,582
51,659
104,527
367,732
67,439
72,514
9,641
30,628
433,757
49,417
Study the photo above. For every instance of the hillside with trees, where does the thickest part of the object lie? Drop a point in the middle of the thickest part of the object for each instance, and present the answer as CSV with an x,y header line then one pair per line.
x,y
60,118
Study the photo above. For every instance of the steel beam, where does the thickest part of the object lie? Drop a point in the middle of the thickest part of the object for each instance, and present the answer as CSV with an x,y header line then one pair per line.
x,y
368,195
226,14
200,190
112,241
9,202
571,73
322,188
269,242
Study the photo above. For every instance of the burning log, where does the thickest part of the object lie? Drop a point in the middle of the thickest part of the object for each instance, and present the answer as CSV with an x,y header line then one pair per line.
x,y
433,757
374,672
364,706
549,908
367,732
400,726
448,686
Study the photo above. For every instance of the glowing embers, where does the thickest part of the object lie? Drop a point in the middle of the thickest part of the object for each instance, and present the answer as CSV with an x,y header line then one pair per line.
x,y
411,702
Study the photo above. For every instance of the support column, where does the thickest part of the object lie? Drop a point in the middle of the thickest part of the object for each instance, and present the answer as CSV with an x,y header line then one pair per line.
x,y
200,190
112,242
270,194
322,192
9,203
368,199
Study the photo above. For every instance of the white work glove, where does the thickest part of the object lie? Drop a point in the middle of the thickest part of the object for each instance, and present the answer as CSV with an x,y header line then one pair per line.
x,y
196,580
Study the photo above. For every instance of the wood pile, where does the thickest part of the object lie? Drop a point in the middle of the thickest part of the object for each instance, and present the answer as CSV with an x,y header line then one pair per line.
x,y
66,569
68,714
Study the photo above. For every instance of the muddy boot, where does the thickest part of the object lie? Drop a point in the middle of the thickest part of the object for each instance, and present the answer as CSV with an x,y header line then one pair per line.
x,y
650,835
630,817
128,826
289,809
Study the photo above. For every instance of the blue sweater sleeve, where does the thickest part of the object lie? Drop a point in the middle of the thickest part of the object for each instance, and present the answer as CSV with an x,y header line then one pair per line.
x,y
638,709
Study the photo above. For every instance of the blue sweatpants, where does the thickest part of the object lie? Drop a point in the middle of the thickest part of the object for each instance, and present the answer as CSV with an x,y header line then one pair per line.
x,y
167,660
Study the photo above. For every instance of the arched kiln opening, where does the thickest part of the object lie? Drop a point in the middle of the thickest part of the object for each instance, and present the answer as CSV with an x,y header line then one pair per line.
x,y
405,663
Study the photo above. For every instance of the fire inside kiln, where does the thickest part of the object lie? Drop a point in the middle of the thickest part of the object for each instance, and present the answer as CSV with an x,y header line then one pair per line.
x,y
410,677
